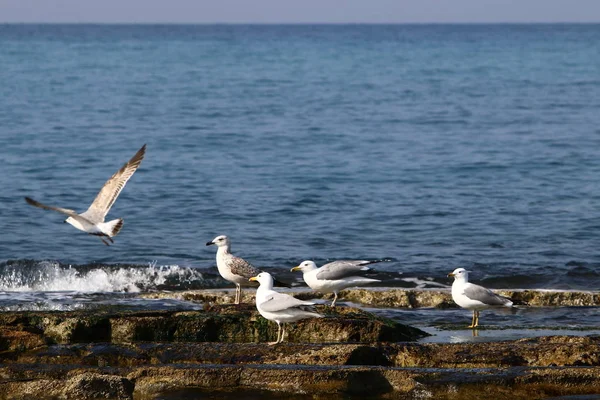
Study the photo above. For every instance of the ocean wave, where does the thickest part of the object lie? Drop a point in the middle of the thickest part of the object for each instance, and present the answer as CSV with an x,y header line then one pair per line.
x,y
48,275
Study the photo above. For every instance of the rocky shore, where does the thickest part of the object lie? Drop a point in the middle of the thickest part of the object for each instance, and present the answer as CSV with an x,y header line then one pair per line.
x,y
112,354
402,298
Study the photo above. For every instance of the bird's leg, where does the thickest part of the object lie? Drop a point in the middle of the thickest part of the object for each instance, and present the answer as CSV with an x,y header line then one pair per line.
x,y
282,333
104,241
334,299
109,238
473,320
477,319
237,294
278,331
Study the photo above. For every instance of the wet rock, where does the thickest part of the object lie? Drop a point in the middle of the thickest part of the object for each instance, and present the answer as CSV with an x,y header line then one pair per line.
x,y
402,298
148,382
443,299
539,352
557,299
78,328
545,351
16,339
97,386
34,381
218,323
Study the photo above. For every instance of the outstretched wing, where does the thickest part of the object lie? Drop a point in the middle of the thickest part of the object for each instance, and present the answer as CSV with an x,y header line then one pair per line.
x,y
241,267
113,187
343,268
66,211
281,301
486,296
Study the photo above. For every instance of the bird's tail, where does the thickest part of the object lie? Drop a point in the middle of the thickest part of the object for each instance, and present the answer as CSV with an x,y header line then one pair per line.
x,y
112,228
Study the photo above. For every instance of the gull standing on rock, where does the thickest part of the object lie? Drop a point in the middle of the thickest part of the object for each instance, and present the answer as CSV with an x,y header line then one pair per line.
x,y
279,307
232,268
474,297
92,220
335,276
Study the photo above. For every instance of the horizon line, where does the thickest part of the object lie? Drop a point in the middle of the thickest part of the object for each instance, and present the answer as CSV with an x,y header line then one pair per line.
x,y
301,23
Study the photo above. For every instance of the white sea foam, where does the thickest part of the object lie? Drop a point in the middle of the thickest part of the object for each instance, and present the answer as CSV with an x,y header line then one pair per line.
x,y
51,276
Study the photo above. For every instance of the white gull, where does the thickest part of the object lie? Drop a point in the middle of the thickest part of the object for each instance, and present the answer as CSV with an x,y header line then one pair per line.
x,y
92,220
335,276
279,307
474,297
232,268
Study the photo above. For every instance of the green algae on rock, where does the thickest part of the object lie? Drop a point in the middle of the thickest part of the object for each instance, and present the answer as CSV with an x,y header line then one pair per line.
x,y
218,323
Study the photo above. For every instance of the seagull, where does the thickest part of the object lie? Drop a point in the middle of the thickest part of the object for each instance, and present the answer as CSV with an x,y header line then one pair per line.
x,y
335,276
232,268
474,297
92,220
279,307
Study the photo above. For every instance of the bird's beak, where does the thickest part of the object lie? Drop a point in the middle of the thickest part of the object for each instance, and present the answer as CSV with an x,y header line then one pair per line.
x,y
254,278
450,274
297,268
209,243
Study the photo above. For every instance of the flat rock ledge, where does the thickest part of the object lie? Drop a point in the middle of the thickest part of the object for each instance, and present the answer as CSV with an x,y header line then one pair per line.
x,y
218,323
400,298
348,354
153,379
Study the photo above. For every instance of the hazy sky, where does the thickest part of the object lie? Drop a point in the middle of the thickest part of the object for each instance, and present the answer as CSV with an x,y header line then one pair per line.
x,y
285,11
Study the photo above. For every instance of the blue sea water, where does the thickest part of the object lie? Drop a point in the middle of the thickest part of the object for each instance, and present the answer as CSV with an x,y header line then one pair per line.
x,y
431,146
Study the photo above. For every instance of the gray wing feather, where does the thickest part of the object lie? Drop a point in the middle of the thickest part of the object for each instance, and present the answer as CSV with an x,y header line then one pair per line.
x,y
241,267
113,187
486,296
343,268
66,211
281,302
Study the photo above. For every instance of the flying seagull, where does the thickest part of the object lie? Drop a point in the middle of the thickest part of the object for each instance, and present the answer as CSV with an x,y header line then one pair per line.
x,y
92,220
474,297
279,307
335,276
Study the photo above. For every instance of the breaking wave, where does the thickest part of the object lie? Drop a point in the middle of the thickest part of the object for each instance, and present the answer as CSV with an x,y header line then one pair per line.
x,y
46,275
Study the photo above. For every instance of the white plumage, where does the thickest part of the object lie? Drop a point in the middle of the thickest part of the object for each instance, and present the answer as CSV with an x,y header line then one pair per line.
x,y
232,268
92,220
474,297
335,276
279,307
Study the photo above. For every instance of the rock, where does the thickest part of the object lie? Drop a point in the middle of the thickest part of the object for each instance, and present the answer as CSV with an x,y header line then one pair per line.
x,y
97,386
76,328
218,323
400,298
16,339
545,351
538,352
350,352
147,382
34,381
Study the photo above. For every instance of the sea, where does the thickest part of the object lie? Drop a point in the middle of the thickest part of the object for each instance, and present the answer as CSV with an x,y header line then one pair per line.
x,y
428,147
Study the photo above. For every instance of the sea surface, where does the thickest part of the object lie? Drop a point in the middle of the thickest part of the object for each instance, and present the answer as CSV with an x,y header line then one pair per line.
x,y
429,146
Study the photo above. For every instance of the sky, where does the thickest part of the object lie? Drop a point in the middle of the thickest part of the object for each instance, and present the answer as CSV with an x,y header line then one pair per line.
x,y
299,11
